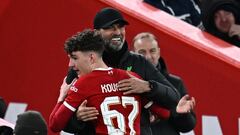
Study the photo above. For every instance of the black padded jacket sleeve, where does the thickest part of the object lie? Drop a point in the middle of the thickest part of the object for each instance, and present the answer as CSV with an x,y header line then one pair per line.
x,y
181,122
162,91
177,120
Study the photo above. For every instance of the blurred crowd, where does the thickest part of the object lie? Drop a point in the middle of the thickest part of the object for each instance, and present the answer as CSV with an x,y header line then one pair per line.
x,y
218,17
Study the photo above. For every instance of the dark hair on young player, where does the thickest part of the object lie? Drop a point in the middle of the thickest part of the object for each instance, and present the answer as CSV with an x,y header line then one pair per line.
x,y
87,40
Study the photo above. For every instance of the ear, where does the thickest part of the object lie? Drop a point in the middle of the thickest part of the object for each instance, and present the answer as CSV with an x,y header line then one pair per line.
x,y
97,31
92,57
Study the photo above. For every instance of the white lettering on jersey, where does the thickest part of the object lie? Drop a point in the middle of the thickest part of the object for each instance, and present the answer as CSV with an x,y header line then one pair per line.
x,y
110,87
73,89
110,72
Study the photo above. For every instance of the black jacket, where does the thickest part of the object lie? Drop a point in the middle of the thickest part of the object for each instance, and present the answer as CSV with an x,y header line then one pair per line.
x,y
162,93
186,10
176,123
209,7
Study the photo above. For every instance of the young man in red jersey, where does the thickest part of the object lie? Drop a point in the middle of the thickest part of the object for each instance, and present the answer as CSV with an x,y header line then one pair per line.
x,y
119,114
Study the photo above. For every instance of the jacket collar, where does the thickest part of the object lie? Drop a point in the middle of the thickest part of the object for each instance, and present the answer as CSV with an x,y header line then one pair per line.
x,y
162,67
113,59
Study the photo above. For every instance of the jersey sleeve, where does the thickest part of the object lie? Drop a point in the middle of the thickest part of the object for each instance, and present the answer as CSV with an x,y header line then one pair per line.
x,y
74,97
160,111
63,111
156,109
59,117
134,74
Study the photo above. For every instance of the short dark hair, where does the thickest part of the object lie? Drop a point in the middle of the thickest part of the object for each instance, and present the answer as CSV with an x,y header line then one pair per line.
x,y
5,130
30,123
3,107
87,40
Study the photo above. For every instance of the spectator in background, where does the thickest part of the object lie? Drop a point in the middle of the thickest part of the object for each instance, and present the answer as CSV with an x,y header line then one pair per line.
x,y
6,128
3,107
221,18
30,123
186,10
146,44
198,2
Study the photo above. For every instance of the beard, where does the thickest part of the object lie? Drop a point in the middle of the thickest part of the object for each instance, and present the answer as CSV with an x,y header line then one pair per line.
x,y
115,43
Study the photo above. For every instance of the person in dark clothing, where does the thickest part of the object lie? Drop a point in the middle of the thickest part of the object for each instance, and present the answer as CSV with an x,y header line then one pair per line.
x,y
186,10
6,128
146,44
3,107
221,18
111,25
30,123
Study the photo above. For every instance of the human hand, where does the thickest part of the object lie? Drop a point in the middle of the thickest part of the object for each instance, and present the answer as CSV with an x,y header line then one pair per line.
x,y
186,104
64,89
133,85
153,118
234,31
85,113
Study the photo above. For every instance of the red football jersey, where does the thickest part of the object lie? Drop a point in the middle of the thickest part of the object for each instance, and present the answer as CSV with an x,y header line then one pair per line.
x,y
119,114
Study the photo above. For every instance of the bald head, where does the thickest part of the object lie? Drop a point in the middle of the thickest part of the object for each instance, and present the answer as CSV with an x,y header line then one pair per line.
x,y
146,44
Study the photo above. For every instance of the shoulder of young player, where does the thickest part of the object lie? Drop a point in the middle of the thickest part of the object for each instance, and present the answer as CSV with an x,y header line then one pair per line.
x,y
124,73
82,80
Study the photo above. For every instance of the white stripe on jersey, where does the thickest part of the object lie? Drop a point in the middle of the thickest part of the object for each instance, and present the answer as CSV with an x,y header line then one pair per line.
x,y
69,106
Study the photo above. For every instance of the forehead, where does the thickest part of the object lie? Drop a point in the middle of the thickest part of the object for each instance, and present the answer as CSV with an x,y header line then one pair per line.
x,y
115,25
146,43
222,12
